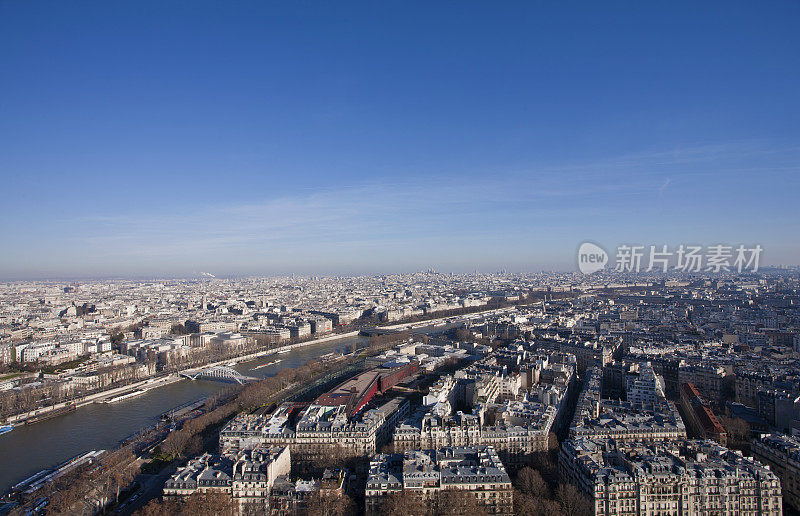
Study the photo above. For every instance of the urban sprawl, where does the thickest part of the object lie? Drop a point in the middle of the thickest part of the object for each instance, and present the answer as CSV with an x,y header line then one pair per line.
x,y
549,393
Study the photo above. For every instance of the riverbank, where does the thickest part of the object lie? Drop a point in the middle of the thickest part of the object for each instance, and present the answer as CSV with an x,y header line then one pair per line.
x,y
152,383
415,325
42,413
273,351
28,449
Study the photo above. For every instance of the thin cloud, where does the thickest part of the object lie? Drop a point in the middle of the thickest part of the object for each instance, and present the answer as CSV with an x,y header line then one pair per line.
x,y
444,216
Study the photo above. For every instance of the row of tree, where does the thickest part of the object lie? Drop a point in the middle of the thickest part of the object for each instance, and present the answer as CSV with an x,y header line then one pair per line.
x,y
531,497
243,399
534,496
319,503
92,486
36,395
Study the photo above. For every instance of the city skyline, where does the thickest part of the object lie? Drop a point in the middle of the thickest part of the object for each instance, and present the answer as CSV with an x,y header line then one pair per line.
x,y
399,258
314,139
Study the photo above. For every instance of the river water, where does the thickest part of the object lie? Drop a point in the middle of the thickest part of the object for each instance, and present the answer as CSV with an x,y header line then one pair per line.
x,y
29,449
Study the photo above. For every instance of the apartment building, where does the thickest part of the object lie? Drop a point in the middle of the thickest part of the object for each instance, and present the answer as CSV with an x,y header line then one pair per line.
x,y
678,478
477,471
782,454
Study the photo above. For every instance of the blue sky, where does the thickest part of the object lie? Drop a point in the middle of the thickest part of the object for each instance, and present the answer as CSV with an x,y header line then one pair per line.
x,y
163,138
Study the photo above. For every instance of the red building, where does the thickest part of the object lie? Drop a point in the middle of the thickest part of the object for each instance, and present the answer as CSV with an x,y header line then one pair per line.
x,y
700,419
359,390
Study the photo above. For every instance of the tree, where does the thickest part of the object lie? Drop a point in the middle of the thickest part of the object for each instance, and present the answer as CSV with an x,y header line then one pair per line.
x,y
254,508
123,473
160,508
463,335
552,442
530,482
178,329
572,501
454,502
175,443
403,503
194,446
327,503
333,457
532,506
210,503
286,376
738,431
65,499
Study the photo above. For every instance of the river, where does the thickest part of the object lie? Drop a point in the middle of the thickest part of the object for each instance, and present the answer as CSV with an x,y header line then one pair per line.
x,y
29,449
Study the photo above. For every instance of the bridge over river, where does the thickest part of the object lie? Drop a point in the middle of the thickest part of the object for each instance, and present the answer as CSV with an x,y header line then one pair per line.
x,y
218,373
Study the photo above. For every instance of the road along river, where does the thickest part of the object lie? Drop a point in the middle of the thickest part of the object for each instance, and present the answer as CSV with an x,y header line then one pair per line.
x,y
29,449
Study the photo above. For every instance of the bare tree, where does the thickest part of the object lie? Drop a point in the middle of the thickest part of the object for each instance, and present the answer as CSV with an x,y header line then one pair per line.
x,y
123,474
464,335
738,431
210,503
572,501
454,502
254,508
160,508
403,503
175,443
533,506
327,503
530,482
